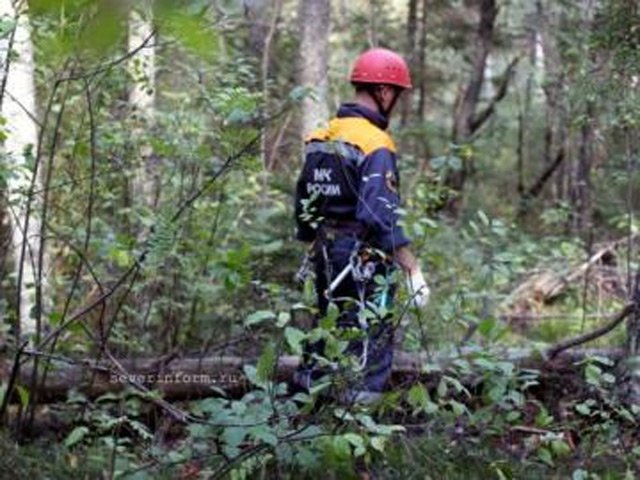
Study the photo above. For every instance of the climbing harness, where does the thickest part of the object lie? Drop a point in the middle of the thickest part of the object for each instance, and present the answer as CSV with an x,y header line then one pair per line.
x,y
362,267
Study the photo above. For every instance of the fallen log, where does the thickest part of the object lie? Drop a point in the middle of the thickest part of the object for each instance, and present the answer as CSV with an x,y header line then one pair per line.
x,y
545,286
193,378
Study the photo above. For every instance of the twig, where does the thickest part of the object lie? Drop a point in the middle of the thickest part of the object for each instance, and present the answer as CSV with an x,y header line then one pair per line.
x,y
109,65
589,336
481,117
7,59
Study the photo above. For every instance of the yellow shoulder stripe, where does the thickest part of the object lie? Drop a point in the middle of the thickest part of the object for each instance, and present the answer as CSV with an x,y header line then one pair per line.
x,y
357,131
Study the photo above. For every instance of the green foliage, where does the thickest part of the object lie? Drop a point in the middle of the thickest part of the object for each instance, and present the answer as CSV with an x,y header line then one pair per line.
x,y
218,257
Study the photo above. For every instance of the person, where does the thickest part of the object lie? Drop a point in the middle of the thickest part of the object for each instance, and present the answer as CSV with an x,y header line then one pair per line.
x,y
346,206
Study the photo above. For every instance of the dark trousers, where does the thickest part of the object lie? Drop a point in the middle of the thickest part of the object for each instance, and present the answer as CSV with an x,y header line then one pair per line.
x,y
375,354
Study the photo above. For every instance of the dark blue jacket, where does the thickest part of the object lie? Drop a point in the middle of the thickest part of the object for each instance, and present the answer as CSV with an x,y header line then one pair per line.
x,y
350,177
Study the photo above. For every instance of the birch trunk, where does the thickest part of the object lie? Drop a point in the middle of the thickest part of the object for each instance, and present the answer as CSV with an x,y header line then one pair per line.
x,y
19,111
142,97
314,18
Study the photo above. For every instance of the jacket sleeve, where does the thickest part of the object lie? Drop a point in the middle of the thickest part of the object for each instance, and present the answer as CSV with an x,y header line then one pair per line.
x,y
378,200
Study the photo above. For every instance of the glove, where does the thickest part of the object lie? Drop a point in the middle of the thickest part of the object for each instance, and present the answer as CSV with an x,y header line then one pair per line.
x,y
418,288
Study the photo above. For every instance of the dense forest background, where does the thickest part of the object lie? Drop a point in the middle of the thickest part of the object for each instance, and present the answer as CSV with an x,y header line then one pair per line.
x,y
150,151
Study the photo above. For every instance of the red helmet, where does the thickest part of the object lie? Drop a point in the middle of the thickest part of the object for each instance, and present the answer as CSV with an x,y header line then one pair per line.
x,y
379,65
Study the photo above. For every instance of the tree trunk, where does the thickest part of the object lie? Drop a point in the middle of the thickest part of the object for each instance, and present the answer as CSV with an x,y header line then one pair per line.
x,y
410,53
421,61
467,119
581,181
314,21
269,30
142,93
544,57
19,109
190,378
554,81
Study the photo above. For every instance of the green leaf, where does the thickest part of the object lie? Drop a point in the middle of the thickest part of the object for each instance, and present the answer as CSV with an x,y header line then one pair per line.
x,y
358,443
23,393
252,375
583,409
442,388
579,474
487,326
457,407
283,319
140,429
418,396
543,418
259,317
560,448
485,364
264,434
378,443
545,455
103,30
294,337
341,447
602,360
189,28
593,374
76,436
513,416
266,363
233,438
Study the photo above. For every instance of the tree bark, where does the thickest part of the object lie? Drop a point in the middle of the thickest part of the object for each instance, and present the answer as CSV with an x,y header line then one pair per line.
x,y
410,53
265,62
467,119
314,21
421,61
191,378
581,182
142,94
20,146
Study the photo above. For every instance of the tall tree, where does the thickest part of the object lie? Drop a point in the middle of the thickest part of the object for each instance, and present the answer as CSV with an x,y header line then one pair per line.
x,y
468,117
18,97
263,17
314,20
142,94
410,53
580,186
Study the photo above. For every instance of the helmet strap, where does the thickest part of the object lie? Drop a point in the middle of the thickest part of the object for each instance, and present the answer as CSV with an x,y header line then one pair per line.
x,y
374,92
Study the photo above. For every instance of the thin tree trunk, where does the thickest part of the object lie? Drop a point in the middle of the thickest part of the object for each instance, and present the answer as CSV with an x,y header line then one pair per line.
x,y
264,77
421,61
19,110
372,27
632,350
555,111
410,52
314,21
142,93
581,191
467,118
